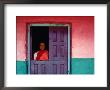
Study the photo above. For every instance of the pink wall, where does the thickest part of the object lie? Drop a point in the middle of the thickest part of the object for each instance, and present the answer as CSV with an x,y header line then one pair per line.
x,y
82,33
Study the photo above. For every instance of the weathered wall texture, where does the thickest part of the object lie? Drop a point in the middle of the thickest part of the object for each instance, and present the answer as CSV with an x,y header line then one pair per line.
x,y
82,33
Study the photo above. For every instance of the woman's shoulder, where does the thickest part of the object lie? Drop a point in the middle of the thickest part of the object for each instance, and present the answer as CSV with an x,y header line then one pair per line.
x,y
36,52
46,50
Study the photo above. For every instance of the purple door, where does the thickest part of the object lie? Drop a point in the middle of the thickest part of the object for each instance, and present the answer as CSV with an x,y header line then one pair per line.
x,y
58,53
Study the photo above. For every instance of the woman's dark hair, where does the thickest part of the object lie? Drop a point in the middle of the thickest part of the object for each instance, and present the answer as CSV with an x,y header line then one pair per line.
x,y
43,42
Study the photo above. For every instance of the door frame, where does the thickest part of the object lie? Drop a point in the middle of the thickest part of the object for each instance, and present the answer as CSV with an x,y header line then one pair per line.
x,y
48,24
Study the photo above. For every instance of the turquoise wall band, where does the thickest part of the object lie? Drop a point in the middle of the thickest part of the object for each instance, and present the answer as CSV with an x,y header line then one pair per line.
x,y
21,67
82,65
79,66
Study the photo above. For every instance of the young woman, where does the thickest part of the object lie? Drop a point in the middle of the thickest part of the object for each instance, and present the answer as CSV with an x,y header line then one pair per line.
x,y
42,54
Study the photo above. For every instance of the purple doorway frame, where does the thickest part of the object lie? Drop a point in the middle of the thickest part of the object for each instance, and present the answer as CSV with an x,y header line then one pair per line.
x,y
49,24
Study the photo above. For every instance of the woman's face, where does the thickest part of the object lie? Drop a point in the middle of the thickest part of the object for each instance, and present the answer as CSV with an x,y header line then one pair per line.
x,y
42,46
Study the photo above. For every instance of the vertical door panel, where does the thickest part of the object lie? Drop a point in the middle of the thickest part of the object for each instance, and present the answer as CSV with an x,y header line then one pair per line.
x,y
58,49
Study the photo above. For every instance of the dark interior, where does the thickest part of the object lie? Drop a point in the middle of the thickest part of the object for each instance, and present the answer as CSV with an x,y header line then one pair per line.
x,y
39,34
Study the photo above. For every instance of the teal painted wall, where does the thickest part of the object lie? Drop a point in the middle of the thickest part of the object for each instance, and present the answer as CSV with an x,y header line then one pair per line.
x,y
78,66
21,67
82,65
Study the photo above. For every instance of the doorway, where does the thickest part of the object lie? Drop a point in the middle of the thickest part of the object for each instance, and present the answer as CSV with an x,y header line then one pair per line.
x,y
57,40
39,34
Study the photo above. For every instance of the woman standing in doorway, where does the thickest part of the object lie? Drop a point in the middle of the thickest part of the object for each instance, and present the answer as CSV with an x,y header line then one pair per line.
x,y
42,54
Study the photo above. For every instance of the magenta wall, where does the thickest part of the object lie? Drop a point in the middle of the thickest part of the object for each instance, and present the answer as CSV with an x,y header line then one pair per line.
x,y
82,33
